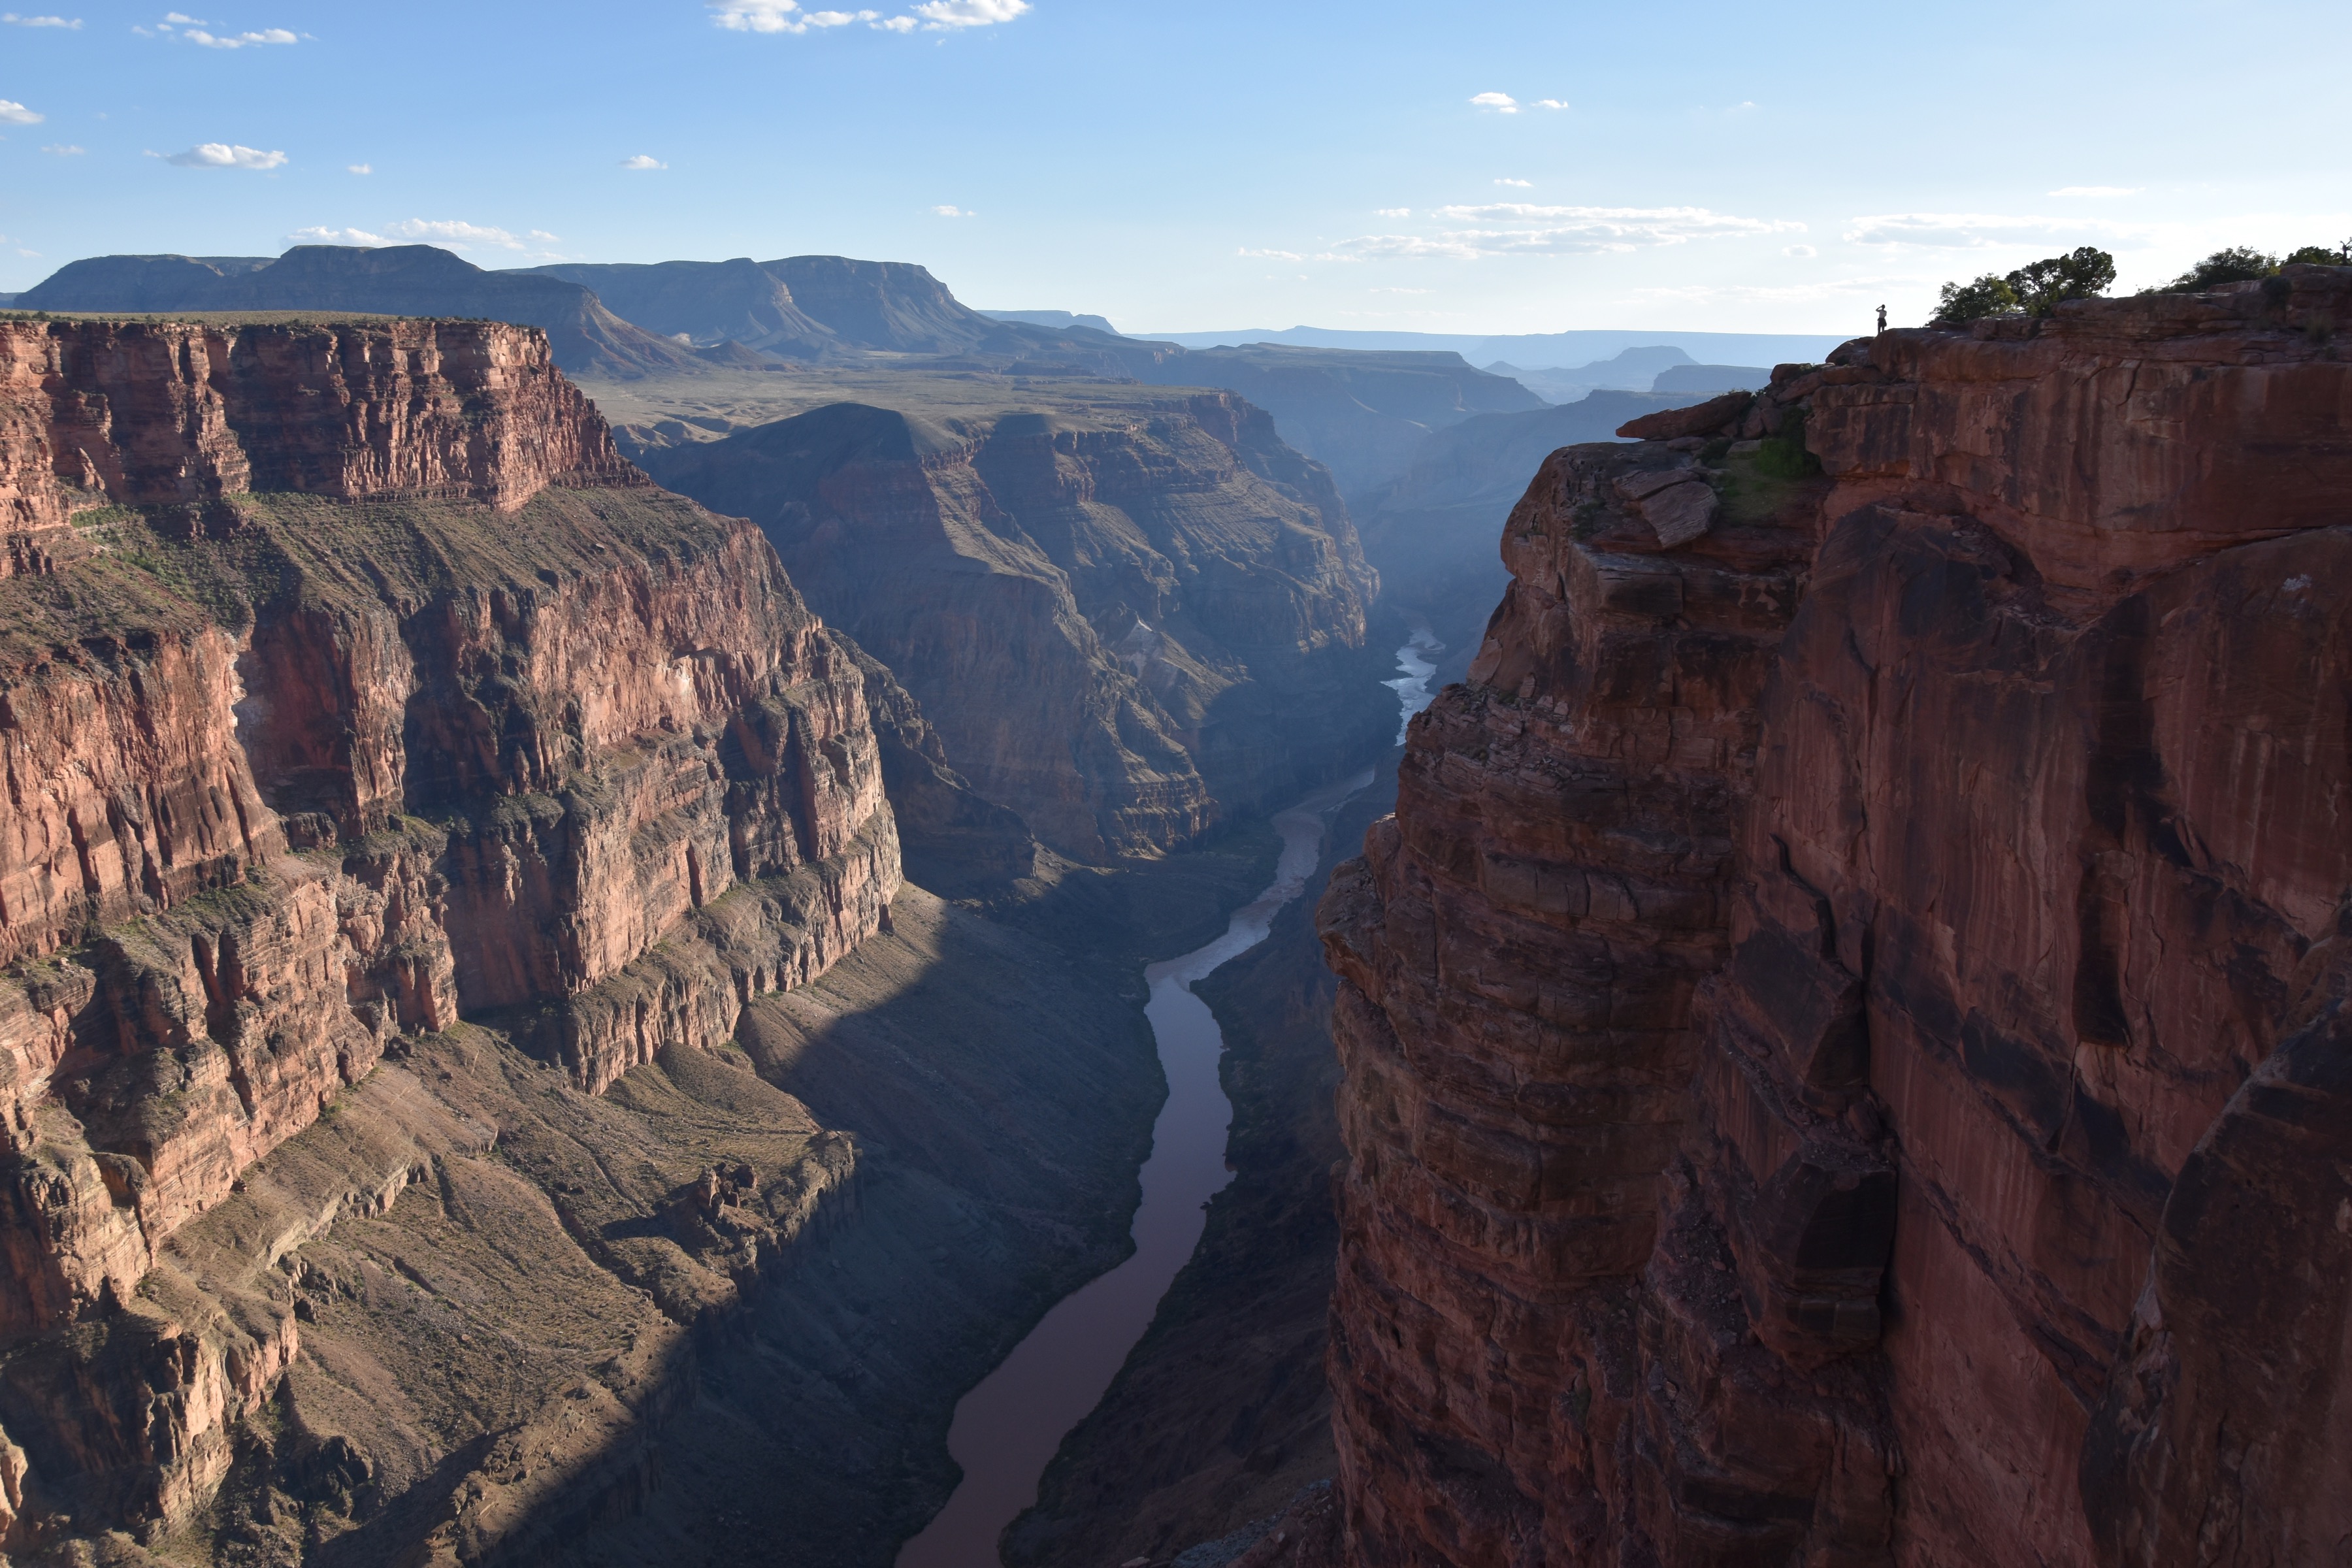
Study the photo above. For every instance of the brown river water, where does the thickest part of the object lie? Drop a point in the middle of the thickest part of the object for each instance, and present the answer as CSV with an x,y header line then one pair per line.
x,y
1008,1427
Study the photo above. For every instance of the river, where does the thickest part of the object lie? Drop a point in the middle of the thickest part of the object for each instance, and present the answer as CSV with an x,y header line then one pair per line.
x,y
1417,660
1007,1428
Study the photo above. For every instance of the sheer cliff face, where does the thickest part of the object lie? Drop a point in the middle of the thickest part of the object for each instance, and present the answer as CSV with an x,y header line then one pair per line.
x,y
292,780
1843,1032
1123,621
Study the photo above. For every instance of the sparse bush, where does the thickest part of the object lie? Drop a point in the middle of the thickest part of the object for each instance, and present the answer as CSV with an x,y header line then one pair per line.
x,y
1960,303
1784,456
2236,264
2321,256
2082,274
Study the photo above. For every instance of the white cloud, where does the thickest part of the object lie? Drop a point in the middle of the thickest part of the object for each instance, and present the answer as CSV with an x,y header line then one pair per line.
x,y
225,155
1969,231
1500,102
1802,252
171,17
14,20
1521,229
1272,255
239,40
335,237
1523,185
457,235
937,15
1391,212
1552,103
15,113
541,233
643,161
931,17
2096,190
65,148
953,211
359,168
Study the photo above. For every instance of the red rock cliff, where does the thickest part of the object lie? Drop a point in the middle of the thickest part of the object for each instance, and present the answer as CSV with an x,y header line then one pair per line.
x,y
1125,616
1844,1033
350,683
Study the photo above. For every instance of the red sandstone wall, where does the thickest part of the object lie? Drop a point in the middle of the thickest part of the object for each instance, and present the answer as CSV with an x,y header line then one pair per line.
x,y
400,763
1842,1031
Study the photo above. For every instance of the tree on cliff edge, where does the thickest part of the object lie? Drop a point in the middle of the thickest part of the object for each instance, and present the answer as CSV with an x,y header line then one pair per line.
x,y
2033,289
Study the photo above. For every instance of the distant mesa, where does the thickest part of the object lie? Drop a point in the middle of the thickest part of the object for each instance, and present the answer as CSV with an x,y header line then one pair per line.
x,y
1055,318
395,280
1711,378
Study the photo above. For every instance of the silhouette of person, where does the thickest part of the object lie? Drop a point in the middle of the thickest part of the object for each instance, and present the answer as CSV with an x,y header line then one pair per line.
x,y
1882,318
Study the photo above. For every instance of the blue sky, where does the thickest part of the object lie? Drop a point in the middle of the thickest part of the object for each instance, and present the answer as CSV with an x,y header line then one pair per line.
x,y
1493,168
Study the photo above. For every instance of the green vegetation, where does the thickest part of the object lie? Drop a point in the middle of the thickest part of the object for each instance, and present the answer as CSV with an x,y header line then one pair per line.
x,y
2244,263
2034,289
1960,304
2082,274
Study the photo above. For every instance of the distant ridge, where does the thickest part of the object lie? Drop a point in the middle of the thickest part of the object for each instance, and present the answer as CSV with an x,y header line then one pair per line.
x,y
1054,319
1559,351
398,280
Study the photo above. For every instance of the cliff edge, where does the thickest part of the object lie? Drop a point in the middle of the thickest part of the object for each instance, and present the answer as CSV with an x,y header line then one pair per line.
x,y
1844,1032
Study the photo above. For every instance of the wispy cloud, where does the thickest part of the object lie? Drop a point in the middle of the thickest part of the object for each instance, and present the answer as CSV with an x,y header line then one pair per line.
x,y
359,168
335,237
1500,102
1391,212
1522,228
15,113
943,13
950,210
239,40
1969,231
1552,103
225,155
455,233
643,161
1271,254
932,17
1523,185
14,20
2096,190
65,148
1802,252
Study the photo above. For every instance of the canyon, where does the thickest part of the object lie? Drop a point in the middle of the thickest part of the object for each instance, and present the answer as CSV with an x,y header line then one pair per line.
x,y
1129,614
576,949
1839,1032
474,1063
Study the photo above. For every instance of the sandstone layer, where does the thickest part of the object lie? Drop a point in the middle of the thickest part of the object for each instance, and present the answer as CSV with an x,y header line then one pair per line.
x,y
1125,619
351,685
1843,1033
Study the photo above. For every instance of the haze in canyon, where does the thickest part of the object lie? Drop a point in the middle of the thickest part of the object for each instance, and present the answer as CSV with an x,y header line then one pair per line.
x,y
1656,883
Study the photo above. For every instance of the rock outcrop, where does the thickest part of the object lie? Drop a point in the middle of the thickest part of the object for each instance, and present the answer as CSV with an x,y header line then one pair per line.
x,y
1125,616
352,684
1841,1034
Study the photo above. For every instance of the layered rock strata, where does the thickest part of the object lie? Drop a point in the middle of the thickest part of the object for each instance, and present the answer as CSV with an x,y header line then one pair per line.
x,y
1840,1034
1123,619
350,684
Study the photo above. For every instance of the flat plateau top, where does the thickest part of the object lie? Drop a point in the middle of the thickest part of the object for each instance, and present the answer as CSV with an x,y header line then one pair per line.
x,y
222,318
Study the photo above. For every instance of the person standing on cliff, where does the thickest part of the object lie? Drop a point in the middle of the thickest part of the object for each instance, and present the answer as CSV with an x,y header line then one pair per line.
x,y
1882,318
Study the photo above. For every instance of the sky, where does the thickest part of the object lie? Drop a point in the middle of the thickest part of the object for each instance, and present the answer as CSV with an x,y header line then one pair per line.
x,y
1505,167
